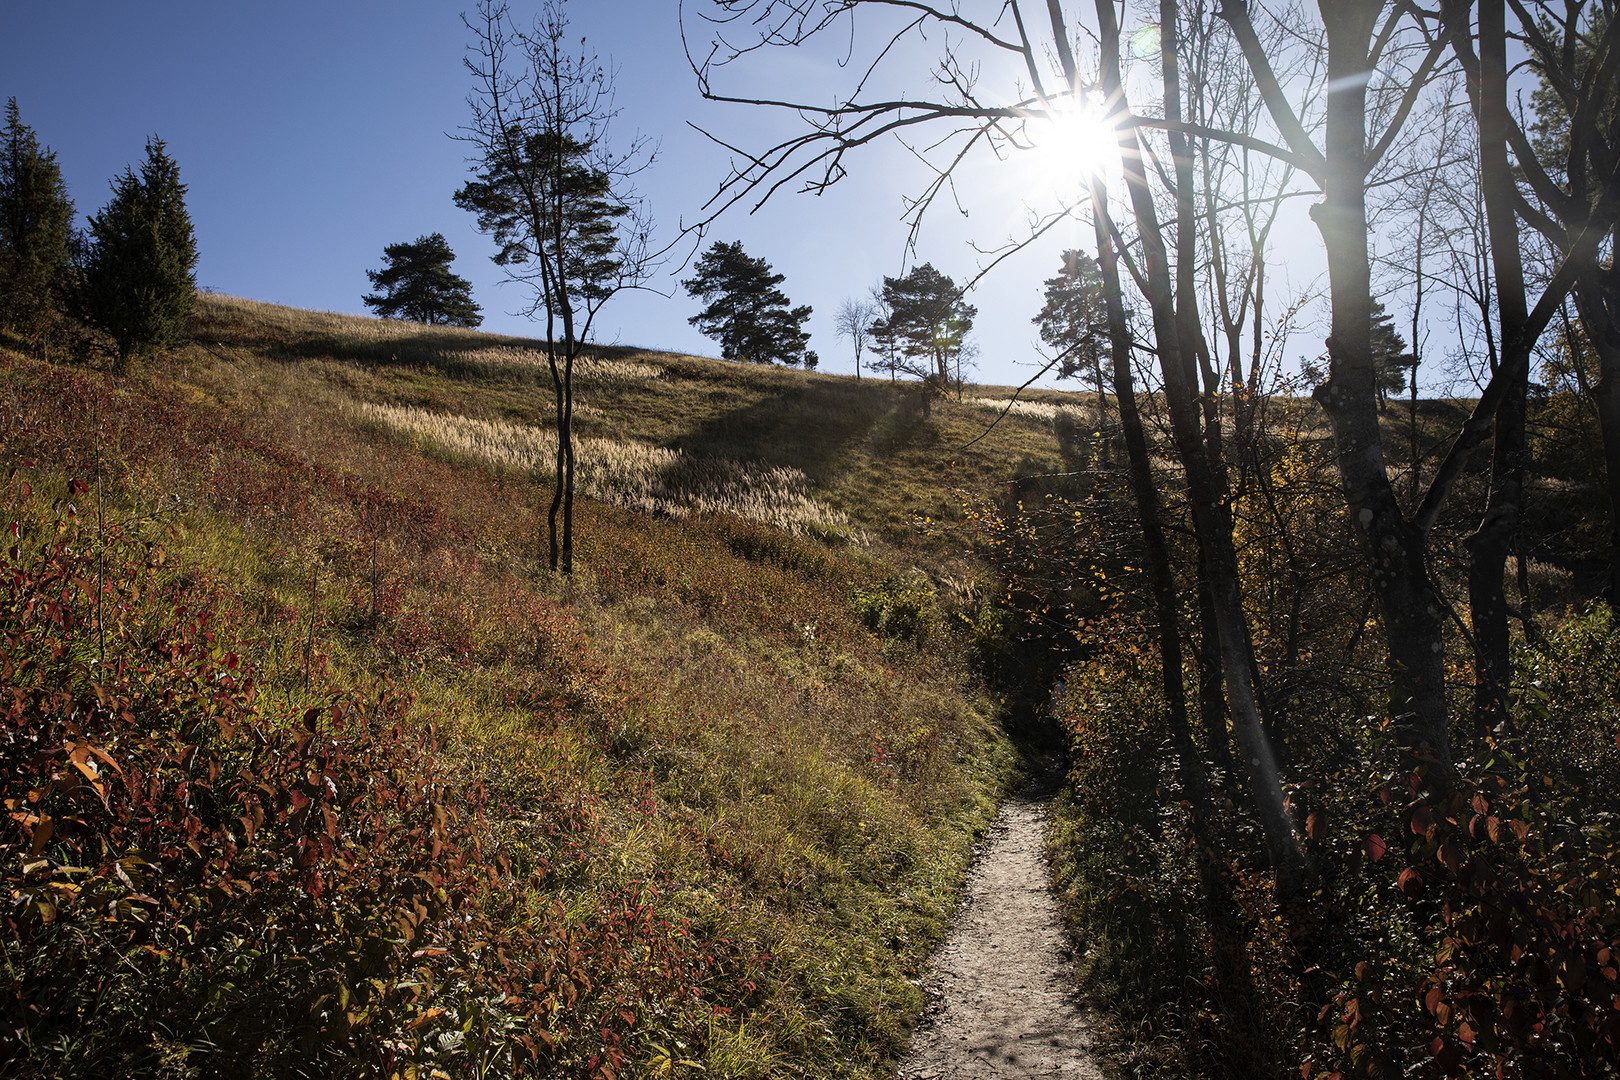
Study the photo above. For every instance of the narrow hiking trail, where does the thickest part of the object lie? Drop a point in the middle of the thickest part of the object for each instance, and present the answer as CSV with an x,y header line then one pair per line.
x,y
1000,1003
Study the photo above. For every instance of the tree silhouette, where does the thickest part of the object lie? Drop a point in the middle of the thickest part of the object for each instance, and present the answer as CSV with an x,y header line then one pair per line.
x,y
555,198
418,285
746,313
1074,320
35,221
928,321
139,279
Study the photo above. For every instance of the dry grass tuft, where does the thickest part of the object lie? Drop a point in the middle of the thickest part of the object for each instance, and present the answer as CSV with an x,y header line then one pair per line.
x,y
1038,410
648,479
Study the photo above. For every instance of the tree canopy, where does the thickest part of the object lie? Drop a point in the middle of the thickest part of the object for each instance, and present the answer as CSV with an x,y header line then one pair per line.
x,y
36,218
1073,319
556,199
418,285
927,323
139,279
746,313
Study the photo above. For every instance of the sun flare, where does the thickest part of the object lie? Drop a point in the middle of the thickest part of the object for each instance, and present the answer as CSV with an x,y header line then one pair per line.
x,y
1069,145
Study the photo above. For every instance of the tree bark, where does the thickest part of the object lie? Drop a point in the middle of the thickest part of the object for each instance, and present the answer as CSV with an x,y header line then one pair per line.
x,y
1395,547
1211,516
1490,544
1597,300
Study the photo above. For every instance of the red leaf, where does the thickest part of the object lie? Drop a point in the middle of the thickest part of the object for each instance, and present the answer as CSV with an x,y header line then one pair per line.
x,y
1422,821
1410,882
1375,846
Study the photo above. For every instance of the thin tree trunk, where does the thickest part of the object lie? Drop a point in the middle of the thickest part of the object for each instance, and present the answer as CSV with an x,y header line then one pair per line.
x,y
1232,969
1597,300
1211,516
1395,548
1490,544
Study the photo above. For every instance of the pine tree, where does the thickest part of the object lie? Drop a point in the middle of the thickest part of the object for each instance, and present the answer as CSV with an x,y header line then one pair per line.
x,y
557,200
417,284
1391,360
928,320
1073,320
747,314
36,218
139,278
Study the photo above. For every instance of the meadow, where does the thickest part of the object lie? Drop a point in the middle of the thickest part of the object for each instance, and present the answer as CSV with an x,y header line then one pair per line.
x,y
311,769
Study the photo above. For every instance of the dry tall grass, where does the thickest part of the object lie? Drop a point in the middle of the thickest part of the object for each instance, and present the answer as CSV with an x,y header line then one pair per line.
x,y
1038,410
648,479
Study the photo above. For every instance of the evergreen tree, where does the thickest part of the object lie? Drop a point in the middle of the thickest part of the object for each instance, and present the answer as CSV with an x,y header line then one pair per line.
x,y
35,223
139,278
1073,320
417,284
927,320
1391,361
557,201
747,314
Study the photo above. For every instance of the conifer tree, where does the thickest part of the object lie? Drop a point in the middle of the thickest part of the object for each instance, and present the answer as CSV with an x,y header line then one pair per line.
x,y
139,279
35,222
418,285
1074,321
929,320
556,199
746,313
1391,359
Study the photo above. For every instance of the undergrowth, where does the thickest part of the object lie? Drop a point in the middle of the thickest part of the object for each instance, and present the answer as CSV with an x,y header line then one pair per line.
x,y
308,770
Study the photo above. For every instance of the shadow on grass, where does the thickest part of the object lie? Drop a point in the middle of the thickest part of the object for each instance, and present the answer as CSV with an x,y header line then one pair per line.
x,y
810,426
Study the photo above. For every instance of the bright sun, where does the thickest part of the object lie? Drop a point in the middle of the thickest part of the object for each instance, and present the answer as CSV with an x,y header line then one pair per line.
x,y
1070,145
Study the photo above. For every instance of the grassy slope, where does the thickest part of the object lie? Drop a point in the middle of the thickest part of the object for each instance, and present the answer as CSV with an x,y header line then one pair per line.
x,y
784,782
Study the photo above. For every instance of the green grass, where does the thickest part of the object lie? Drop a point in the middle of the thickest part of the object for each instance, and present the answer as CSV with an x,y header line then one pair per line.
x,y
790,786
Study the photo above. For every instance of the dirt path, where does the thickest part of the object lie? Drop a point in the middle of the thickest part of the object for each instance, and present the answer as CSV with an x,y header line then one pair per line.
x,y
999,999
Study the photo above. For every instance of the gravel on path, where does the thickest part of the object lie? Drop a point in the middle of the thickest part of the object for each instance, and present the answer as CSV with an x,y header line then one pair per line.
x,y
1000,1003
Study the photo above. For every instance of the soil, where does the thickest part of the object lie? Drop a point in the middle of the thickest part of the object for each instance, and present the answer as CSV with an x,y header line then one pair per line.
x,y
1000,1003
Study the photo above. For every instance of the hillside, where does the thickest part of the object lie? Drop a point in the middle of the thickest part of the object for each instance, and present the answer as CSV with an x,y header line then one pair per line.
x,y
311,769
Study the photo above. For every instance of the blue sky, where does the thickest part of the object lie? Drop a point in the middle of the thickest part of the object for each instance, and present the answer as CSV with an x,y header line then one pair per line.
x,y
311,135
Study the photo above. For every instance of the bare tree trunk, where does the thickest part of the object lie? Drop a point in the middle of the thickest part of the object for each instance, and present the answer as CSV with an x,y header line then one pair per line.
x,y
1490,544
1395,548
1232,969
1212,518
1597,300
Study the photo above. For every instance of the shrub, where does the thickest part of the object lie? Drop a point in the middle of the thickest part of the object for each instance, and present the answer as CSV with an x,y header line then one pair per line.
x,y
200,877
899,607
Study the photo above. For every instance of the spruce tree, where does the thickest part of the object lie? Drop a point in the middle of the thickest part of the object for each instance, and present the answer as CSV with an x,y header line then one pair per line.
x,y
417,284
139,279
36,218
1391,359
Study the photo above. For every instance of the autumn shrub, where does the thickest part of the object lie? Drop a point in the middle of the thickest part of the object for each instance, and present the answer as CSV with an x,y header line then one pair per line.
x,y
902,607
1123,863
200,878
1469,932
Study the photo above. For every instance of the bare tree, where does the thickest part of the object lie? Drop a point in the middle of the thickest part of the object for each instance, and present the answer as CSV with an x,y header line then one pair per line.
x,y
556,199
853,320
982,120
